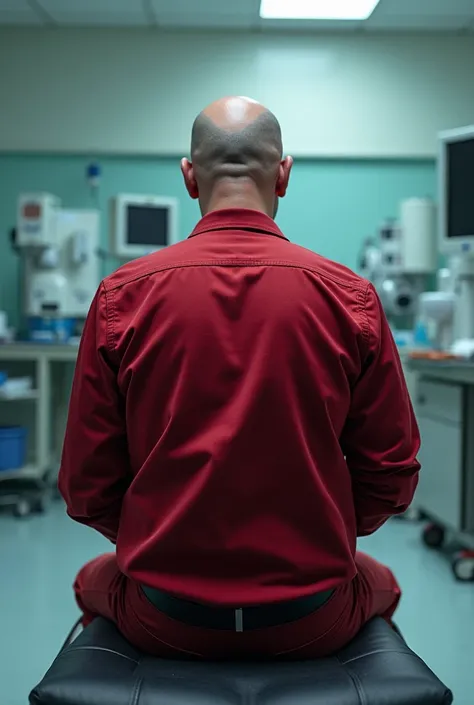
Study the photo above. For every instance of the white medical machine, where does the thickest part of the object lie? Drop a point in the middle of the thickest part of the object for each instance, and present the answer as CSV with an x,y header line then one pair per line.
x,y
401,259
140,224
451,308
59,249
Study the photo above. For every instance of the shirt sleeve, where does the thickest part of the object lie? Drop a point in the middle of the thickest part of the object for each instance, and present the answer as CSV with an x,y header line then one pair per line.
x,y
95,473
381,438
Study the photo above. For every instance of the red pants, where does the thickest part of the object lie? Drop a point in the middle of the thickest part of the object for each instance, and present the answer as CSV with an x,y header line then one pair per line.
x,y
101,589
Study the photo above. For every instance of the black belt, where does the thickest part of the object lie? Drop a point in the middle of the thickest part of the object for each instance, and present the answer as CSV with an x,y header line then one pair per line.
x,y
235,619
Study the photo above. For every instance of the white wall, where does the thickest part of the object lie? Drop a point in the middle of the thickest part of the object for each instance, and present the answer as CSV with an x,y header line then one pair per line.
x,y
130,91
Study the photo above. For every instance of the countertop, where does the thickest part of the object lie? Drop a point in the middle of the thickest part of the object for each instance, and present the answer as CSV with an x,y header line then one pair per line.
x,y
458,371
32,351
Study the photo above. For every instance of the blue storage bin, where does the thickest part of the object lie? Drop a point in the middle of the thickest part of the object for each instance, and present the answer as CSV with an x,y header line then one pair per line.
x,y
12,447
50,330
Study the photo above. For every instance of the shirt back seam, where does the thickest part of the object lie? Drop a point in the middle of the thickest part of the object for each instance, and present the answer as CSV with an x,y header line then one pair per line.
x,y
239,263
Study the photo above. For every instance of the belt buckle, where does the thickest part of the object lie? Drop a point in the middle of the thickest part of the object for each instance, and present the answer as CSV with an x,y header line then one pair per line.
x,y
239,619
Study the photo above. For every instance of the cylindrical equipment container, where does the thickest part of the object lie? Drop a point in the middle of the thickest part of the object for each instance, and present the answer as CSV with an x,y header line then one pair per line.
x,y
418,227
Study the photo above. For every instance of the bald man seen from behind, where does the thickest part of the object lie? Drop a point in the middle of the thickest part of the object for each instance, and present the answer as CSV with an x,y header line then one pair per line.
x,y
238,418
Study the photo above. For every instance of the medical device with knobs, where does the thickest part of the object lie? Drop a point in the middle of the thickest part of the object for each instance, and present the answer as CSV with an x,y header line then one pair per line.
x,y
59,249
402,258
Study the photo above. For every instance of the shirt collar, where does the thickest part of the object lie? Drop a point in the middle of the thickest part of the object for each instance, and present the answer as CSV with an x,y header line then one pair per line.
x,y
237,219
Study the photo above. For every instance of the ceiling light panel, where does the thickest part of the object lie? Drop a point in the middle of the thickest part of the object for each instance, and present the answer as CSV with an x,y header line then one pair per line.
x,y
317,9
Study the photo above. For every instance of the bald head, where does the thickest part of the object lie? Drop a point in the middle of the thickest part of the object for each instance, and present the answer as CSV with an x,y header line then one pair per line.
x,y
236,145
236,137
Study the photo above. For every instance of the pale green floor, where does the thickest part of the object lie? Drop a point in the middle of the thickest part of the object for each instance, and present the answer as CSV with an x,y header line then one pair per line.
x,y
39,557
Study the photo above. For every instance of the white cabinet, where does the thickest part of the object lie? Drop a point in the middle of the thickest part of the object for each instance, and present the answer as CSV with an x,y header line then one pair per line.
x,y
439,409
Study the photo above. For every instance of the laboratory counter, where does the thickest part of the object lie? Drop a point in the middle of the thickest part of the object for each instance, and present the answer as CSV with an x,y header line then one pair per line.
x,y
13,352
456,371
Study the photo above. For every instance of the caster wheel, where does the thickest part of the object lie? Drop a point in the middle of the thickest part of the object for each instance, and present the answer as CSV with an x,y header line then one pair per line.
x,y
22,509
40,506
463,566
433,536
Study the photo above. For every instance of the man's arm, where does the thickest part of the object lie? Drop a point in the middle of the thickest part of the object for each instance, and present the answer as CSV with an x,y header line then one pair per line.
x,y
381,438
95,473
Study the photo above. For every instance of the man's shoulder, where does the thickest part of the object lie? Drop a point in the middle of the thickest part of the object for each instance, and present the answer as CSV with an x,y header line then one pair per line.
x,y
327,268
145,266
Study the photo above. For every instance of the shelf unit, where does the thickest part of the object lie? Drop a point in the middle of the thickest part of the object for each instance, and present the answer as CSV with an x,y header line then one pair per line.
x,y
36,478
27,472
29,395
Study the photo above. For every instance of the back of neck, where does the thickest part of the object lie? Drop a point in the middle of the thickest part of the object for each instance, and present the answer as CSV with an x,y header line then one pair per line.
x,y
238,193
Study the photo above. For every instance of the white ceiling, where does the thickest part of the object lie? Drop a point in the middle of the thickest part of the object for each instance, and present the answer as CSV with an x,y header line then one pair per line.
x,y
393,15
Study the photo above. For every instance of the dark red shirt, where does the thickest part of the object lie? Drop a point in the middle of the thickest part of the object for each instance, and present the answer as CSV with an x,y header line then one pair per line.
x,y
238,416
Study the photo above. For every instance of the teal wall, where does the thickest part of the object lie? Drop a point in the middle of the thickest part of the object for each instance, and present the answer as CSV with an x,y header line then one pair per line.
x,y
331,205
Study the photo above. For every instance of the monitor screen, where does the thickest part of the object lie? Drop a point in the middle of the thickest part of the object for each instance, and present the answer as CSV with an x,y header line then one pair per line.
x,y
148,226
460,188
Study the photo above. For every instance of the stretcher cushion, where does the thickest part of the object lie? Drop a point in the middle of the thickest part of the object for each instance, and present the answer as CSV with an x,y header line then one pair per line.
x,y
101,668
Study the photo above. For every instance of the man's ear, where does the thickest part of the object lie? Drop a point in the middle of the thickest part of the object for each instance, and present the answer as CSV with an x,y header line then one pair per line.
x,y
189,179
283,176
